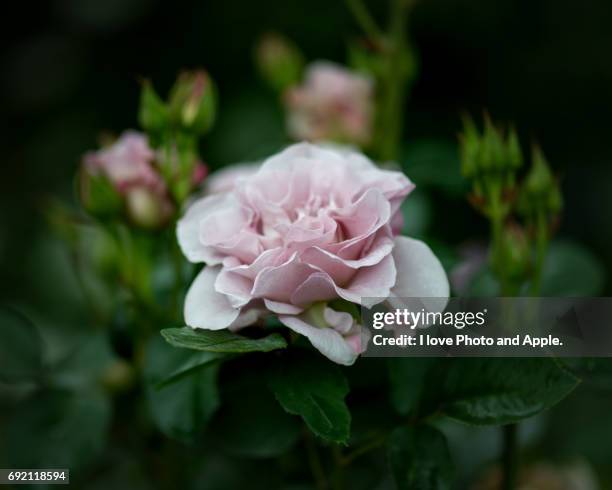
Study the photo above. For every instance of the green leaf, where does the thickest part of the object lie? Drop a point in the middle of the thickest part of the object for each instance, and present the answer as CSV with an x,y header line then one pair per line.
x,y
183,407
153,114
497,391
86,362
420,459
571,270
221,341
314,389
247,401
593,371
408,377
20,348
417,212
58,429
194,362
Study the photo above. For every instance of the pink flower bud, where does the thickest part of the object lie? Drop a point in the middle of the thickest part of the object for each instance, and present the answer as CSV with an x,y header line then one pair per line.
x,y
333,104
128,162
123,176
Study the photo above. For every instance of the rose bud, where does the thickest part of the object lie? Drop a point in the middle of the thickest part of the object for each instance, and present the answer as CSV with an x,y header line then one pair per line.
x,y
125,171
193,101
146,209
279,61
332,104
540,192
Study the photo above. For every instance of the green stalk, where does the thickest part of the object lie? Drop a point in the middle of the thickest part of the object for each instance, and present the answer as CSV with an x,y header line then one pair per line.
x,y
314,461
509,458
393,84
541,230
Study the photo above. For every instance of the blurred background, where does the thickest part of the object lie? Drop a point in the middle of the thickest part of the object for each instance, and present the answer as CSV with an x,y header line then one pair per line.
x,y
73,69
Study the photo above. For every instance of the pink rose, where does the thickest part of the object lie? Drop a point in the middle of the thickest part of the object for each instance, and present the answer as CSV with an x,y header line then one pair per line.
x,y
129,166
333,104
313,224
228,178
128,162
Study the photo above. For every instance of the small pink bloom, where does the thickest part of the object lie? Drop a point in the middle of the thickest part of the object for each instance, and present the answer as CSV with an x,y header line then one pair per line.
x,y
129,165
333,104
312,224
127,162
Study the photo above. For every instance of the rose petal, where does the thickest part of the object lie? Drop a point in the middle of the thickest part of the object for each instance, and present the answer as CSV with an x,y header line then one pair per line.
x,y
326,340
279,282
419,273
188,230
204,306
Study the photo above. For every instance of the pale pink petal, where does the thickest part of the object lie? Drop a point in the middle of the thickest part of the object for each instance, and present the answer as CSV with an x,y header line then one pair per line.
x,y
188,230
371,284
227,179
204,306
342,270
278,283
326,340
419,272
282,308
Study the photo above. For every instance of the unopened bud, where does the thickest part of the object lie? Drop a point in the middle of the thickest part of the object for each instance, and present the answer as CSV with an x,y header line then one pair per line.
x,y
279,61
193,101
148,209
493,153
540,192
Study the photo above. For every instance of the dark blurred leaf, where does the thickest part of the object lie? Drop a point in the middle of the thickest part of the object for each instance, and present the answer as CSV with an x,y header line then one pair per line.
x,y
85,364
571,270
497,391
416,211
20,348
314,388
192,363
58,429
215,471
484,283
182,408
221,340
434,164
593,371
446,254
252,423
420,459
407,378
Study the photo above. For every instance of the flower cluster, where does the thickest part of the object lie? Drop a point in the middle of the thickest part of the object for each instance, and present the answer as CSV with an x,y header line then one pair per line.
x,y
311,226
